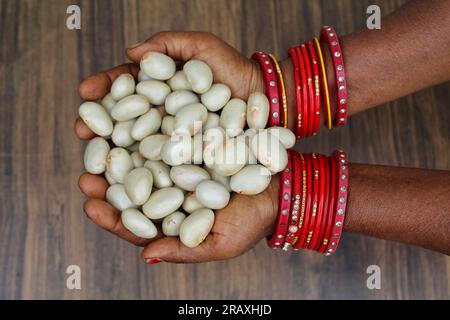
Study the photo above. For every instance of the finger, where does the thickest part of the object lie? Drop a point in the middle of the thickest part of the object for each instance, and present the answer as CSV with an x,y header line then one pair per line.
x,y
82,130
93,186
97,86
106,217
178,45
170,249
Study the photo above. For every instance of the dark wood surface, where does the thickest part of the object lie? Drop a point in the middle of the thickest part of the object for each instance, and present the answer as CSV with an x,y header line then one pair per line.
x,y
42,226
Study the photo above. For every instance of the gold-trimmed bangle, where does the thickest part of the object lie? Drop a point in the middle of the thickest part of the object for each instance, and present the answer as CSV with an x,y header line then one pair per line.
x,y
325,83
303,202
283,90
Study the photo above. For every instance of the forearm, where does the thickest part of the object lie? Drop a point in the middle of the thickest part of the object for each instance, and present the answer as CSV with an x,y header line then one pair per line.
x,y
410,52
401,204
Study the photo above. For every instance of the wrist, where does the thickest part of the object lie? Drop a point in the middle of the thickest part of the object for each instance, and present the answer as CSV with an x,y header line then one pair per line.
x,y
256,82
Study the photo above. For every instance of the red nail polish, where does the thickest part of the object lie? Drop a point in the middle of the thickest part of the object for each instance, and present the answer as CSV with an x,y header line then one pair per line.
x,y
152,261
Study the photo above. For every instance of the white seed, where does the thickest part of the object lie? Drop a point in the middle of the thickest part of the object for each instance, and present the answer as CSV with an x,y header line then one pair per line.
x,y
178,99
212,139
160,172
190,119
197,149
138,224
108,102
167,125
138,159
134,147
199,75
110,179
257,110
178,150
130,107
231,157
143,77
251,180
252,159
151,146
286,136
250,133
119,164
161,110
191,203
96,118
269,151
118,198
138,185
121,135
172,223
225,181
212,194
155,91
196,227
188,176
216,97
163,202
158,66
212,121
232,118
179,82
146,125
95,155
123,86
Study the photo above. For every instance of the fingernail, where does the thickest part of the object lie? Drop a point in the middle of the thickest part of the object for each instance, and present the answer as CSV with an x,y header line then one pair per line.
x,y
135,45
153,261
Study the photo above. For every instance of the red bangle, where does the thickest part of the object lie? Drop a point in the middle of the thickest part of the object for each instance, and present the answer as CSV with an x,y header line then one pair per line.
x,y
314,201
308,207
298,91
329,36
324,205
341,201
315,75
320,203
310,90
281,92
302,177
303,83
295,204
272,90
277,239
331,203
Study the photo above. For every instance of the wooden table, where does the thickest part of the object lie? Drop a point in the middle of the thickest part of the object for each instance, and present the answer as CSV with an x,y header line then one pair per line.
x,y
42,226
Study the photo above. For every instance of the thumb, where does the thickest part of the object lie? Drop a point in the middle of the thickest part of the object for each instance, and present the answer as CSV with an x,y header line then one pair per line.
x,y
178,45
171,249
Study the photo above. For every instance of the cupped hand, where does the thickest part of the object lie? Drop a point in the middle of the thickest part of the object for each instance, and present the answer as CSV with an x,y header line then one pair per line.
x,y
246,220
237,228
229,66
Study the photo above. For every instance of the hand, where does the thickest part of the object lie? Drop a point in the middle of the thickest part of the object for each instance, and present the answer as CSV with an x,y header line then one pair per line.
x,y
237,228
229,67
246,220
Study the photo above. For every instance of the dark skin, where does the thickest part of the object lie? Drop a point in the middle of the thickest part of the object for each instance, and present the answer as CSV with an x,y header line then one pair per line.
x,y
401,204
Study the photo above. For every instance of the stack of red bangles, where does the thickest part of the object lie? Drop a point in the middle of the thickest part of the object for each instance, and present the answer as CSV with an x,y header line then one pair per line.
x,y
313,200
314,188
311,85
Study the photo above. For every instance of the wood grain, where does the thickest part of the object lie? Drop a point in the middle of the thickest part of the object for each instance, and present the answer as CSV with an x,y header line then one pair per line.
x,y
42,226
